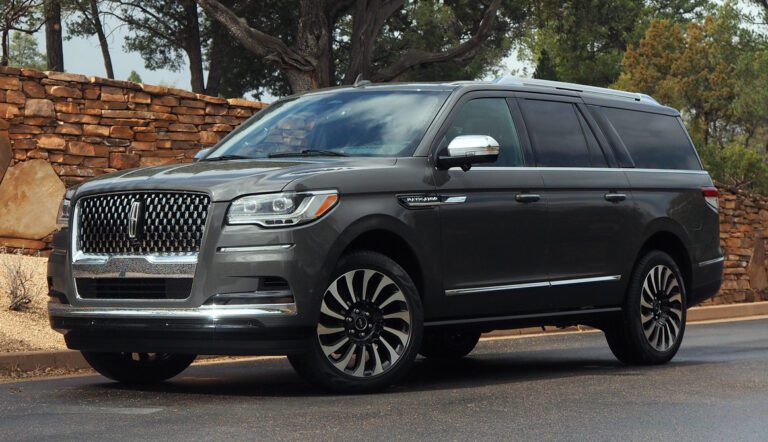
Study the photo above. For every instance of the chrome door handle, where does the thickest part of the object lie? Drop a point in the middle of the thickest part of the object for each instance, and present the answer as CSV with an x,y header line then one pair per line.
x,y
615,197
527,197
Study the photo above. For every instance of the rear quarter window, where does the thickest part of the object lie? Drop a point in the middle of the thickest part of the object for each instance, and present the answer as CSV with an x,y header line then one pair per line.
x,y
654,141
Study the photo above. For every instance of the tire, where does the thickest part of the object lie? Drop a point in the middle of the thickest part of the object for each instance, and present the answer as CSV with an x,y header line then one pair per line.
x,y
652,323
369,327
448,344
138,368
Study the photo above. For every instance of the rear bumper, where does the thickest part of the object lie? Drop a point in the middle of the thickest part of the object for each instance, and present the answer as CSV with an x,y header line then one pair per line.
x,y
255,330
707,279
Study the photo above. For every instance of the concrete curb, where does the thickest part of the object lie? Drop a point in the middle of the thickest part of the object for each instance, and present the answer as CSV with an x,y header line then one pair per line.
x,y
68,359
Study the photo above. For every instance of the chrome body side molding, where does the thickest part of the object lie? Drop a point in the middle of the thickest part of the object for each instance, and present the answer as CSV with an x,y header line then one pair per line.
x,y
529,285
711,261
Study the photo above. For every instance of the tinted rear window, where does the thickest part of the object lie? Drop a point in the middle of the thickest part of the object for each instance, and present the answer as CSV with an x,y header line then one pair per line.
x,y
556,134
654,141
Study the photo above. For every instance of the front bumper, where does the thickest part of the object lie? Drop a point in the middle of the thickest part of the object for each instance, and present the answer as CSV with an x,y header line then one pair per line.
x,y
223,330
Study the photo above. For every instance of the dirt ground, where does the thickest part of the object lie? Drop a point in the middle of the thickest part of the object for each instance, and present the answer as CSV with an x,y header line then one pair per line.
x,y
27,330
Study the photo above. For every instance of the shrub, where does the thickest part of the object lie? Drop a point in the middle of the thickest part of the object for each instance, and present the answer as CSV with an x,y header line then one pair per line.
x,y
18,279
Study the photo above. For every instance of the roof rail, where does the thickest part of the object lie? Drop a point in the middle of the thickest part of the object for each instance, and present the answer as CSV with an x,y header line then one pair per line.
x,y
511,80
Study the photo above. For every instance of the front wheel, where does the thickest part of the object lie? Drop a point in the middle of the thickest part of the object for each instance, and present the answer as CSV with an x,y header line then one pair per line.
x,y
138,368
369,328
652,325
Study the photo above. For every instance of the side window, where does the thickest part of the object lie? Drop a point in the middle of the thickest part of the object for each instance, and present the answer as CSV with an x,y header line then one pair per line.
x,y
489,116
654,141
556,134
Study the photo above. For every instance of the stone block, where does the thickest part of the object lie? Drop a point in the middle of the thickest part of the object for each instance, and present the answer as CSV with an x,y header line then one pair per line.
x,y
30,194
69,129
112,94
33,89
51,141
15,97
122,161
10,83
8,110
64,91
121,132
36,107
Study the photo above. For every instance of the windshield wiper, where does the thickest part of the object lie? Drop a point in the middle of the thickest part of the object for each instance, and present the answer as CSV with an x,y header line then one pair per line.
x,y
227,158
308,153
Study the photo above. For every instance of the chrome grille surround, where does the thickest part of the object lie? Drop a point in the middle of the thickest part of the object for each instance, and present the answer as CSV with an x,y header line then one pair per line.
x,y
173,223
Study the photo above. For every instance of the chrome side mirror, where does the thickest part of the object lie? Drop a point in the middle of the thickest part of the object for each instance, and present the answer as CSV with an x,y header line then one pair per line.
x,y
202,153
466,150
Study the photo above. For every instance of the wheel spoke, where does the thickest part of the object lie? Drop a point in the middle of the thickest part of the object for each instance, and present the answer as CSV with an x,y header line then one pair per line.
x,y
333,290
342,364
348,277
383,283
360,362
404,315
328,312
403,337
377,368
323,330
396,296
393,356
331,349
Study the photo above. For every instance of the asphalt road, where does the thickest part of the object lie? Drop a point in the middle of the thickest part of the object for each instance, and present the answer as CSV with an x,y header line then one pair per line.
x,y
549,387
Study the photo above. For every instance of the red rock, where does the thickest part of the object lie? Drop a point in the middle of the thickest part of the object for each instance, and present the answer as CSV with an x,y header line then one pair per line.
x,y
30,195
33,89
123,160
39,108
69,129
12,83
121,132
50,141
64,91
8,111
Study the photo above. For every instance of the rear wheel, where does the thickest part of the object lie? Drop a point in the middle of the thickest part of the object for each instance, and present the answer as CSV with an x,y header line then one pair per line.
x,y
369,329
448,344
652,323
138,368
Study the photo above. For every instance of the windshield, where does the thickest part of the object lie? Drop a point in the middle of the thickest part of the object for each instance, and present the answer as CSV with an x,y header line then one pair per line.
x,y
344,123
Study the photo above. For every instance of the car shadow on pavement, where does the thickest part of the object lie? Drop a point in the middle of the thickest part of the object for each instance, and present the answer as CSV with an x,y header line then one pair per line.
x,y
275,378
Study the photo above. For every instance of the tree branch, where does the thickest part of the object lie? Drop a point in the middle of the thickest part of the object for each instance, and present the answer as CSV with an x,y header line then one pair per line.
x,y
462,52
258,42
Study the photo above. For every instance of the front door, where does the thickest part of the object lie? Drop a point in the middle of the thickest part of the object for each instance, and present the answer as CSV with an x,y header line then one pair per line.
x,y
494,221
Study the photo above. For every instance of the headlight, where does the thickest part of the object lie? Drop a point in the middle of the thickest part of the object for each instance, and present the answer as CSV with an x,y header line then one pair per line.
x,y
281,209
62,219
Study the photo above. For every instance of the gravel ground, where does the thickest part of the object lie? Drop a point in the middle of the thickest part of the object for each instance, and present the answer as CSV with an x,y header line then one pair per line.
x,y
27,330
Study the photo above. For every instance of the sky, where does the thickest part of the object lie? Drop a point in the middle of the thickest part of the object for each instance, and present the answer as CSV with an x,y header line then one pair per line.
x,y
83,56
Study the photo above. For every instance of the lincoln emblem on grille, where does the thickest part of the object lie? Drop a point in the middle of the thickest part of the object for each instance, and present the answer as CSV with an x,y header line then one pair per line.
x,y
134,217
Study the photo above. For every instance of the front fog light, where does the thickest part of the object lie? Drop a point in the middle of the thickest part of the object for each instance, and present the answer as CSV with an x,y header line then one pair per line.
x,y
282,209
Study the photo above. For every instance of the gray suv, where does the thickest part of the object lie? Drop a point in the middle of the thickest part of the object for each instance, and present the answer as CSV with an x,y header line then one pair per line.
x,y
355,228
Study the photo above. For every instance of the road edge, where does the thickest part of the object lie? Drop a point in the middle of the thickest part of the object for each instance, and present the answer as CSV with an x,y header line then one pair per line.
x,y
72,360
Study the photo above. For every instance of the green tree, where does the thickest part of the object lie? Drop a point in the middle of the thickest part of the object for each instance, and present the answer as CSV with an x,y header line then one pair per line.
x,y
692,68
88,20
164,33
134,77
23,52
20,16
583,41
328,43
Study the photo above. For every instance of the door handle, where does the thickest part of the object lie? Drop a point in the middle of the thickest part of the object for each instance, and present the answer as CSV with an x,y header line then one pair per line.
x,y
527,197
615,197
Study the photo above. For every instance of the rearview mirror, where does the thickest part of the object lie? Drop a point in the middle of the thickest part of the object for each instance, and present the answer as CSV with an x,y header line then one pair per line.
x,y
466,150
202,153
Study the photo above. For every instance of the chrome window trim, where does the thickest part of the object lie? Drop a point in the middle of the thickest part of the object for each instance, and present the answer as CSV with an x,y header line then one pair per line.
x,y
212,312
464,291
267,248
711,261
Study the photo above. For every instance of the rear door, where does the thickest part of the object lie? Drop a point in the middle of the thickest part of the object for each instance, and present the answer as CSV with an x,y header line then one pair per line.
x,y
494,221
589,202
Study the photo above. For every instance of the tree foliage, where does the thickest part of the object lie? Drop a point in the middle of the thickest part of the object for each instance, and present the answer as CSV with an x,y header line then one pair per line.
x,y
87,19
24,53
20,16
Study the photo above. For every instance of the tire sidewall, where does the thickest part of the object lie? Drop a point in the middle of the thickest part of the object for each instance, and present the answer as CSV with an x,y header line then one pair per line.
x,y
632,307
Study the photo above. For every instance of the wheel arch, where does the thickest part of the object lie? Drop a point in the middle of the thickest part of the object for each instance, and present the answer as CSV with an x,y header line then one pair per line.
x,y
672,240
388,236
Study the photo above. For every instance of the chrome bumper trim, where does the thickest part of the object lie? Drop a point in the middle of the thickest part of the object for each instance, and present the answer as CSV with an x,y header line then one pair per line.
x,y
711,261
530,285
82,258
205,312
270,248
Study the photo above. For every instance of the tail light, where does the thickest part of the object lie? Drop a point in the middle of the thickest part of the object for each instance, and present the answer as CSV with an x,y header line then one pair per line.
x,y
710,196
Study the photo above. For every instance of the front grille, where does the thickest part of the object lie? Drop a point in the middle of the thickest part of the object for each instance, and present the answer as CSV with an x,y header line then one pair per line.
x,y
166,223
134,288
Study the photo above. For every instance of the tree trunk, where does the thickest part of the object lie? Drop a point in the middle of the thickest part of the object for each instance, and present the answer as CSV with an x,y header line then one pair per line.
x,y
313,42
216,60
4,59
53,45
192,46
103,43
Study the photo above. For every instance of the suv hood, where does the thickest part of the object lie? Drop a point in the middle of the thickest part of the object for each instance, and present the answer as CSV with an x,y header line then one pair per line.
x,y
225,180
